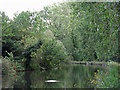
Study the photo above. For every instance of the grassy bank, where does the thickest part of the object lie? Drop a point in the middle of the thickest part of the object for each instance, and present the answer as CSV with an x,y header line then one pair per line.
x,y
95,63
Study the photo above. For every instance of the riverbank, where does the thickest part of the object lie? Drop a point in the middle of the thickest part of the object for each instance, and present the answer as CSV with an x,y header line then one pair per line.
x,y
95,63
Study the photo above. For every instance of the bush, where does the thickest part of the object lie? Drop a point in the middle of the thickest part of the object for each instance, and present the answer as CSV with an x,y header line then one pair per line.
x,y
51,54
8,67
106,80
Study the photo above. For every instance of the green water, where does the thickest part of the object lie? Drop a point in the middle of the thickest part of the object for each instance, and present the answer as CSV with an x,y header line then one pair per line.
x,y
71,76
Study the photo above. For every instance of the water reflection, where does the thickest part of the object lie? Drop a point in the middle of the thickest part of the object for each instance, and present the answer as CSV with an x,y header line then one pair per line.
x,y
49,81
72,76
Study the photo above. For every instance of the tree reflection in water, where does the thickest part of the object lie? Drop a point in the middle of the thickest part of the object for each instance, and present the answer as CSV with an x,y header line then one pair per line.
x,y
70,76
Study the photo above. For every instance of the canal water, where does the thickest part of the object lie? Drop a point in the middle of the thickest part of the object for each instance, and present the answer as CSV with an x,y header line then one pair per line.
x,y
70,76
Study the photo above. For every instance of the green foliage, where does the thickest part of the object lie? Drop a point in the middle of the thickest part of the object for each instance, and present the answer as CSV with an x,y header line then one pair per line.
x,y
8,66
10,41
80,31
106,80
57,19
89,28
97,25
51,54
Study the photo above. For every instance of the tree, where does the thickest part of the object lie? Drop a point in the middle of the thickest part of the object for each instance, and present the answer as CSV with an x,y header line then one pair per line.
x,y
97,25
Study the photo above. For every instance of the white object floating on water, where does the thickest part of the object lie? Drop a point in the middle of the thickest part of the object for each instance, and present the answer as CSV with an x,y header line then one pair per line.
x,y
52,81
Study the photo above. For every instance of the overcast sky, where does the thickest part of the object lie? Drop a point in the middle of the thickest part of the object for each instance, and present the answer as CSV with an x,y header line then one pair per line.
x,y
12,6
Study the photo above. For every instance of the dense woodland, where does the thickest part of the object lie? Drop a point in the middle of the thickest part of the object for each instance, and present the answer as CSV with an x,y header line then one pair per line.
x,y
60,34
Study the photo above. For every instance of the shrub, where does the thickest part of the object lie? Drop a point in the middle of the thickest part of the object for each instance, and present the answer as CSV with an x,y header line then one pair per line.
x,y
8,67
106,80
51,54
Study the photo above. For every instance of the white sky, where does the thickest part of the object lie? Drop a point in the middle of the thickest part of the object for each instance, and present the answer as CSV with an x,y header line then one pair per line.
x,y
12,6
